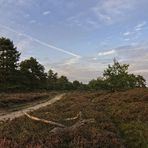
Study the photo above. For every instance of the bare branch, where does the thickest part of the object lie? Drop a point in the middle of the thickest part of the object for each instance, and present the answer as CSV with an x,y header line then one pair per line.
x,y
79,115
45,121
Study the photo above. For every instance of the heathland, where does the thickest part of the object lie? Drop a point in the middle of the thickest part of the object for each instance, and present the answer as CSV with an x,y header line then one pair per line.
x,y
90,119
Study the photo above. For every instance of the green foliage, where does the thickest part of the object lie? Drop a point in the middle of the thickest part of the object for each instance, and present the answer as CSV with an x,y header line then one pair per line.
x,y
63,83
98,84
30,75
51,80
33,75
76,84
135,134
116,77
9,57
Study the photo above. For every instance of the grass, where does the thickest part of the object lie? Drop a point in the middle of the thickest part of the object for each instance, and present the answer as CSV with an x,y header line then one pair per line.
x,y
121,121
15,101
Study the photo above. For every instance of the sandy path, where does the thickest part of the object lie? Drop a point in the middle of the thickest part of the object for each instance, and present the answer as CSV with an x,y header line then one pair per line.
x,y
19,113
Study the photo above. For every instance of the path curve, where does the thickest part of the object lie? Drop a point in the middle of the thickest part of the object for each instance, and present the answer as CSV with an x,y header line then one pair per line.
x,y
19,113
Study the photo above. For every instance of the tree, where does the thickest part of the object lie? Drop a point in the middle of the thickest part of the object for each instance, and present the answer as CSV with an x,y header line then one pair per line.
x,y
63,83
118,78
51,80
136,81
76,84
9,57
141,82
33,74
99,84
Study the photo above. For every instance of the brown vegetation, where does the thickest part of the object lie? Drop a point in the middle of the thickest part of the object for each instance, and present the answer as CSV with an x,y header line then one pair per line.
x,y
121,120
17,100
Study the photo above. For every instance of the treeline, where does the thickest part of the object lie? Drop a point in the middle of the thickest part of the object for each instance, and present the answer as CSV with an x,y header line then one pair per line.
x,y
116,77
30,74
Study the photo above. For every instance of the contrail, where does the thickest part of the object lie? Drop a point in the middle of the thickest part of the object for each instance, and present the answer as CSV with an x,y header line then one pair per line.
x,y
40,42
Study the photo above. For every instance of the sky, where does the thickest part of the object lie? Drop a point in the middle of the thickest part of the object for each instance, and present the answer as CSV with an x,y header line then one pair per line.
x,y
79,38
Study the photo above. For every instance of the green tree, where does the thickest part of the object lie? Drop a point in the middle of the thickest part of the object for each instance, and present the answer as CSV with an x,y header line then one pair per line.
x,y
33,75
99,84
137,81
9,57
118,78
76,84
63,83
51,80
141,82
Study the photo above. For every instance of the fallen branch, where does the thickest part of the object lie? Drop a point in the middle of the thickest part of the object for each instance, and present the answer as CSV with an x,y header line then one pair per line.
x,y
61,126
45,121
72,128
79,115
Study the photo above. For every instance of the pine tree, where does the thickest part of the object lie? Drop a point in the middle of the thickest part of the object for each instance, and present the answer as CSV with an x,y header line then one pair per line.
x,y
9,57
33,75
52,79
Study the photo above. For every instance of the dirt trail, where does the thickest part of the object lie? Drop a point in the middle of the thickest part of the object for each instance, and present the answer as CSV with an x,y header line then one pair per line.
x,y
19,113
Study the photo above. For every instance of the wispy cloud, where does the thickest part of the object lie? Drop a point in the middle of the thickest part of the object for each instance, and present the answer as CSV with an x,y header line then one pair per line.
x,y
23,44
72,61
32,21
87,68
140,26
134,32
40,42
110,11
83,70
127,39
20,3
106,53
127,33
46,12
141,71
84,21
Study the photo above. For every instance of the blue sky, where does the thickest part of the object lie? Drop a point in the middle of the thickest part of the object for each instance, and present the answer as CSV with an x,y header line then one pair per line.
x,y
79,38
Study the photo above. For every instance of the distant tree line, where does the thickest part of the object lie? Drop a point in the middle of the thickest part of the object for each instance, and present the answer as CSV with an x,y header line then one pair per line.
x,y
116,77
30,74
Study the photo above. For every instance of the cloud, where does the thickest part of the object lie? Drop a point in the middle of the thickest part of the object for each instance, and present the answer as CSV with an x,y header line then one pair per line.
x,y
93,23
141,71
110,11
46,12
134,32
27,15
23,44
106,53
136,56
32,22
127,39
84,21
140,26
40,42
127,33
86,68
83,70
20,3
72,61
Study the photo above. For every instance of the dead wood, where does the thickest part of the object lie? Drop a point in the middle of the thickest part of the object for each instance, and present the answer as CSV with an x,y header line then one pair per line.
x,y
62,128
78,116
72,128
45,121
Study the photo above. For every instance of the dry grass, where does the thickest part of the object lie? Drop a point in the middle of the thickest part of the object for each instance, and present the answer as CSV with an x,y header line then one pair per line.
x,y
121,121
9,101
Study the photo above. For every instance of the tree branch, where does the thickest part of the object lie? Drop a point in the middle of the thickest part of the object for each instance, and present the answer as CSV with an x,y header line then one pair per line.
x,y
45,121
